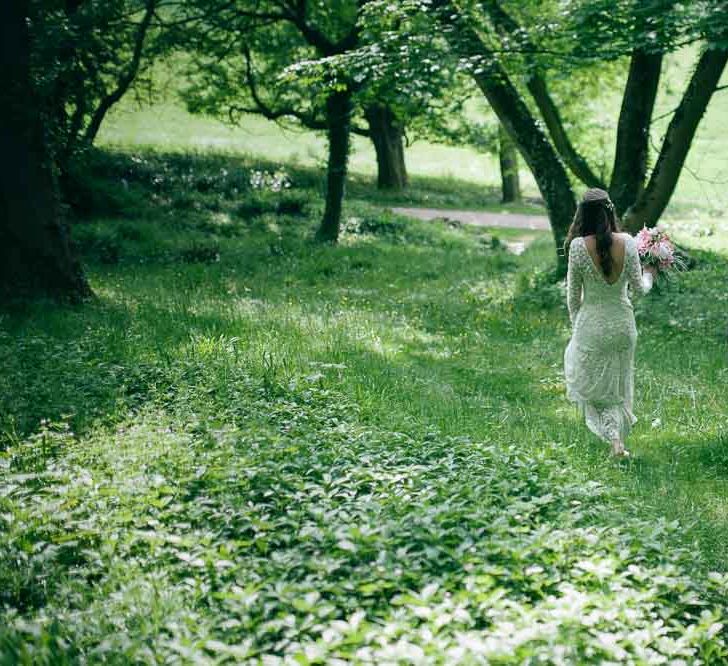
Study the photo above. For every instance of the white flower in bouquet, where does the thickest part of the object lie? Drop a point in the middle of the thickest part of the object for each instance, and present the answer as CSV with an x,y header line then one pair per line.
x,y
665,251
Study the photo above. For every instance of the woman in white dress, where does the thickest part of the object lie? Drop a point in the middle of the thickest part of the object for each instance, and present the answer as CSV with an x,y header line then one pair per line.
x,y
599,359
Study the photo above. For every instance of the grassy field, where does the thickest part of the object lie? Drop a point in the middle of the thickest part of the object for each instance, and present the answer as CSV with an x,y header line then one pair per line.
x,y
699,198
167,126
254,449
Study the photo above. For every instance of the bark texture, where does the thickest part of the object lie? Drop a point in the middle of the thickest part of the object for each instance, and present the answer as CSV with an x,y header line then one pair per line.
x,y
35,251
678,138
508,157
338,116
633,130
387,135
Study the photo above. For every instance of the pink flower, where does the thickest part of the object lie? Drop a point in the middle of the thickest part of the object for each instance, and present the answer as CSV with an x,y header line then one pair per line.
x,y
656,249
644,235
644,240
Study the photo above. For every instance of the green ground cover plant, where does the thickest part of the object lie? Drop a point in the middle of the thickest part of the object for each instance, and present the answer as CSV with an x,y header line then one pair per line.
x,y
254,449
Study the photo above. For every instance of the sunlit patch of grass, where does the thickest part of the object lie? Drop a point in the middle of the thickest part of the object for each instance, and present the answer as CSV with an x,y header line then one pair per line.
x,y
440,173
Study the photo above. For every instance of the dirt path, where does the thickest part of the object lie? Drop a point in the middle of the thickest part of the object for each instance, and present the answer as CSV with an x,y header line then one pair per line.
x,y
479,218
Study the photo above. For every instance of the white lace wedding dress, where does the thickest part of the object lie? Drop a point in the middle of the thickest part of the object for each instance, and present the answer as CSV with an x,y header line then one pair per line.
x,y
599,359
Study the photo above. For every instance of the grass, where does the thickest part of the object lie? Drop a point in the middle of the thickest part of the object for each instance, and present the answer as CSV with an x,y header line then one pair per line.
x,y
251,448
443,176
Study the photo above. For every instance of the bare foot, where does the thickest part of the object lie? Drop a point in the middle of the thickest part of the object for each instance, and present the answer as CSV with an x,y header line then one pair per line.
x,y
618,450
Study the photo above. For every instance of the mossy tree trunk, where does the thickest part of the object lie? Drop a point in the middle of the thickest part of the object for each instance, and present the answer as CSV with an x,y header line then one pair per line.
x,y
679,136
547,168
633,130
35,250
548,108
533,144
387,135
338,116
508,158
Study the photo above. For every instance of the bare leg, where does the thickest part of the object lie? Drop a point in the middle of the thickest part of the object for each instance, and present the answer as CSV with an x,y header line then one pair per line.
x,y
618,450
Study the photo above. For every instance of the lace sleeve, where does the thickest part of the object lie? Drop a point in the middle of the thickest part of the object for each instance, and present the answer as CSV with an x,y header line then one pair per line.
x,y
640,283
574,278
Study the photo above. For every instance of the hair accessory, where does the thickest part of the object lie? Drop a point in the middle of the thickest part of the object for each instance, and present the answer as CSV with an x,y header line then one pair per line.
x,y
597,195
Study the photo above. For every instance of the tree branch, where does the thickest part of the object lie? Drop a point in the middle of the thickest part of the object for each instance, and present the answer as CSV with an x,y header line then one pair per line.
x,y
310,33
187,19
261,108
126,79
537,86
550,113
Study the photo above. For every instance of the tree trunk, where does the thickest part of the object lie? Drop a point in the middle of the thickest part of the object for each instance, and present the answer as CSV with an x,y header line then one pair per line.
x,y
504,99
633,130
35,252
547,168
387,135
680,132
338,116
508,155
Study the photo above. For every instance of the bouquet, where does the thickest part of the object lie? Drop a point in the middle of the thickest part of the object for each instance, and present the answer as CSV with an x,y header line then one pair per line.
x,y
657,250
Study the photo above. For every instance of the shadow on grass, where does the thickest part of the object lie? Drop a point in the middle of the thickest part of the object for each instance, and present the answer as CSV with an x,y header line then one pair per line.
x,y
679,459
64,362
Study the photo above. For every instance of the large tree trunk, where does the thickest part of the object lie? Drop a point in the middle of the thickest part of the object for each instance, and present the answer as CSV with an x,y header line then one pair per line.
x,y
680,132
338,116
35,252
504,99
387,135
508,157
633,130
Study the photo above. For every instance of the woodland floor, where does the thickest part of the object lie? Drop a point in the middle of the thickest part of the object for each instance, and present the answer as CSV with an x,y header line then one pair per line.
x,y
250,448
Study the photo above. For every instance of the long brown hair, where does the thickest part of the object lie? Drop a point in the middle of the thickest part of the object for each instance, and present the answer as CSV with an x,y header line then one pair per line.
x,y
595,216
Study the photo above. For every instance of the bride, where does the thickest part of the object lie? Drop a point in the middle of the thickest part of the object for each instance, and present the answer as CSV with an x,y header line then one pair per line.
x,y
599,359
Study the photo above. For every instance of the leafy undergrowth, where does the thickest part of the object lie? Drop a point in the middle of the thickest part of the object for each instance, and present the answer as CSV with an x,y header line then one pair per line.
x,y
243,520
255,449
